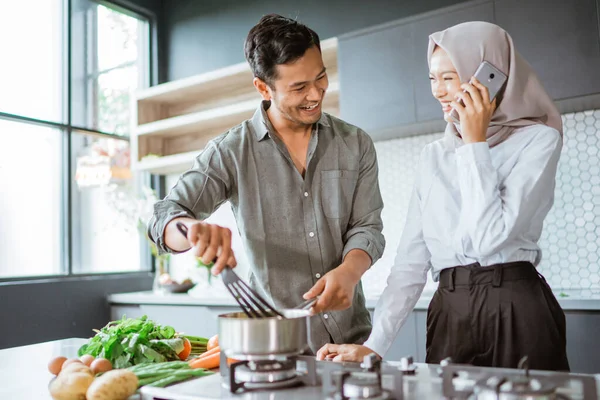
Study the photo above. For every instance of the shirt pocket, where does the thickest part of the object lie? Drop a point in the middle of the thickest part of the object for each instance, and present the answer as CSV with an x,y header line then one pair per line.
x,y
337,192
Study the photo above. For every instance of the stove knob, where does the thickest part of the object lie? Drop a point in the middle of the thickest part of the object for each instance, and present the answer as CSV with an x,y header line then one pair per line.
x,y
444,363
406,366
370,362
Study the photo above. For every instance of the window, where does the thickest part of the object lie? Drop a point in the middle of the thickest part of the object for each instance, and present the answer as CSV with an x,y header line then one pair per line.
x,y
70,203
32,70
112,63
31,209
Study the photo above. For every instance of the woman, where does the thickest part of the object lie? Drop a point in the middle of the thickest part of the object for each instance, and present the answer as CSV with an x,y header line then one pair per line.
x,y
479,202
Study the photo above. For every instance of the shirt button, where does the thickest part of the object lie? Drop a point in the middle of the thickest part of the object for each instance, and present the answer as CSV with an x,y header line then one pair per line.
x,y
311,234
305,194
318,275
325,316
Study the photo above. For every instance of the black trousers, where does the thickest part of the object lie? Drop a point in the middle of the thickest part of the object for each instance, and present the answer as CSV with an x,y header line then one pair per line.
x,y
492,316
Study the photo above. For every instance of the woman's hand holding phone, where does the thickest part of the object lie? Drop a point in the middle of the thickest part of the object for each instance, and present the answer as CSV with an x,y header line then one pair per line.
x,y
474,110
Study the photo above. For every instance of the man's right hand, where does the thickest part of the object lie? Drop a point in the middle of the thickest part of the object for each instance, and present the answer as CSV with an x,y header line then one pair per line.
x,y
208,241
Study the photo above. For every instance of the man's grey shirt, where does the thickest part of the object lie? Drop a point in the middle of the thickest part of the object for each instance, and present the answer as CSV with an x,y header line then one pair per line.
x,y
294,229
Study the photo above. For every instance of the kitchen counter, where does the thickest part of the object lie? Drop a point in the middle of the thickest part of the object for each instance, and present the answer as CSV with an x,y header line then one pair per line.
x,y
24,376
573,300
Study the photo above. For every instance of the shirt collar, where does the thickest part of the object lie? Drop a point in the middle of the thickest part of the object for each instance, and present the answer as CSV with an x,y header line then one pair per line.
x,y
262,125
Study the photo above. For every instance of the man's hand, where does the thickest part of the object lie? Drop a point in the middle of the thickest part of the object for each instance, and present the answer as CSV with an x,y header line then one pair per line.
x,y
336,289
344,352
209,241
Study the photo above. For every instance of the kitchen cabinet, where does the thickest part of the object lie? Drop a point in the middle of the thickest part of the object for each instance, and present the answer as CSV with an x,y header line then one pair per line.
x,y
583,331
559,39
376,71
384,72
427,107
405,343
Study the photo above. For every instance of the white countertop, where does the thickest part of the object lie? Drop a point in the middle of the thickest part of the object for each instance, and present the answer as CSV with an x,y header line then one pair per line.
x,y
573,300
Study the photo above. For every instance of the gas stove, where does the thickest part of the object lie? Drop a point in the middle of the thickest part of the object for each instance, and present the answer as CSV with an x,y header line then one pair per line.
x,y
300,377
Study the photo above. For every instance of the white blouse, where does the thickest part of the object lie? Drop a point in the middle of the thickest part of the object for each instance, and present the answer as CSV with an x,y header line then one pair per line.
x,y
471,204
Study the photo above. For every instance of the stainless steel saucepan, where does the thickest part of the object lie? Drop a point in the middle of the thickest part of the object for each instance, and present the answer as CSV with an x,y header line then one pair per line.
x,y
244,338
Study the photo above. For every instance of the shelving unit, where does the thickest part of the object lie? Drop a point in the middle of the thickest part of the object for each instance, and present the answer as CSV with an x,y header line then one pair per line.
x,y
174,121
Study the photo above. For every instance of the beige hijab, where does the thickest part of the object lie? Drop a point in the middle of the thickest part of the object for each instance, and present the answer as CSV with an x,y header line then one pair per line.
x,y
523,101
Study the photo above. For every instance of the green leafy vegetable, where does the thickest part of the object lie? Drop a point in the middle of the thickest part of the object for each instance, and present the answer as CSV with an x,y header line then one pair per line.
x,y
130,341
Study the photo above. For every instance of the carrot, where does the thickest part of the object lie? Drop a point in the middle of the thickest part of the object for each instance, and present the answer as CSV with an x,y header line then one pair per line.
x,y
208,362
187,349
212,342
205,354
209,352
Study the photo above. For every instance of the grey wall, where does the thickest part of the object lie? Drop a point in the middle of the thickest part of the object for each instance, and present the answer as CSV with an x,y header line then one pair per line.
x,y
200,36
38,311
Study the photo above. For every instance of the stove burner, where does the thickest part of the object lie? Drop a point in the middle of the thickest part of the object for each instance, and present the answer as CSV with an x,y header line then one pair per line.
x,y
277,373
521,387
287,383
512,384
266,371
339,383
359,385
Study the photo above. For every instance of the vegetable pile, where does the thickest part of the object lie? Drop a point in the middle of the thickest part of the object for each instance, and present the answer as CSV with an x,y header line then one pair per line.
x,y
141,353
128,342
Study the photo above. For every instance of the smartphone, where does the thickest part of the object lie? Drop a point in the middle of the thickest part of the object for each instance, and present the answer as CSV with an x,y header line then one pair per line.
x,y
490,77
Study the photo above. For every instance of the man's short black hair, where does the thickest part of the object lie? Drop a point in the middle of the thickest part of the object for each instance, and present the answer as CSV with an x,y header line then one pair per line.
x,y
277,40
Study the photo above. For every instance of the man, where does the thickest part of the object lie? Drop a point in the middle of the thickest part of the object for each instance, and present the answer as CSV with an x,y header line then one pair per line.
x,y
303,186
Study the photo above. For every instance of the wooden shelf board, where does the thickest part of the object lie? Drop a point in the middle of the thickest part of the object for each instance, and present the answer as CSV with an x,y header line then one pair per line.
x,y
168,164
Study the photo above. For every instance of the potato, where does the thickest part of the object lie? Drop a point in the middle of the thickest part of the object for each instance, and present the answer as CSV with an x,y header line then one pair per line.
x,y
76,367
117,384
70,386
55,365
71,361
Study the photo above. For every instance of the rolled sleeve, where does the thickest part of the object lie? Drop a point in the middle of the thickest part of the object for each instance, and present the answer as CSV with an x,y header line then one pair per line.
x,y
164,212
359,241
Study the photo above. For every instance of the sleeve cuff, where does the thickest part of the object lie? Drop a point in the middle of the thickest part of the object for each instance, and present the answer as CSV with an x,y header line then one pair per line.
x,y
474,153
159,230
376,345
361,243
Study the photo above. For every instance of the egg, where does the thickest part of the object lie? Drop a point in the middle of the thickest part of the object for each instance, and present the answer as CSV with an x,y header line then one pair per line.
x,y
55,365
87,359
100,365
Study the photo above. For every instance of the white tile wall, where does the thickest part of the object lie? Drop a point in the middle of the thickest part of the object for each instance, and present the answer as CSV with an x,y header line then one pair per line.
x,y
570,241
